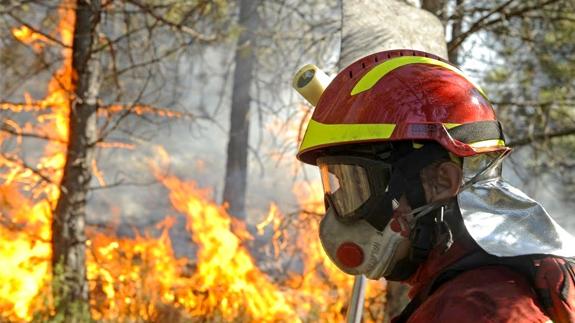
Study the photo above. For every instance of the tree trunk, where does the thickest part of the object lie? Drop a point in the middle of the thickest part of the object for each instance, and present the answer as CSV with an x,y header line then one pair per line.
x,y
70,287
456,31
436,7
237,158
369,26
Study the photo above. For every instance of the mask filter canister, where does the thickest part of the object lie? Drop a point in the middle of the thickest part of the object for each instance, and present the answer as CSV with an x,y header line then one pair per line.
x,y
350,254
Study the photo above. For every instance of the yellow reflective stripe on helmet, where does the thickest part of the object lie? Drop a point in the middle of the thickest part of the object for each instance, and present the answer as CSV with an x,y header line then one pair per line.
x,y
451,125
488,143
319,134
376,73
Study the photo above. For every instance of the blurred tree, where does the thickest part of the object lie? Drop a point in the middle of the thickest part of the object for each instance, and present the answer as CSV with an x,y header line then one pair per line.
x,y
276,38
532,82
235,183
521,50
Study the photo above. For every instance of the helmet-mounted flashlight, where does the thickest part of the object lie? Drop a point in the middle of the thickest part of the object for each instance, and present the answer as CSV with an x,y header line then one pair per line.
x,y
310,82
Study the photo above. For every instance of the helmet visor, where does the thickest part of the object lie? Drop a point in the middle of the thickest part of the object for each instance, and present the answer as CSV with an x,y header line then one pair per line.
x,y
348,182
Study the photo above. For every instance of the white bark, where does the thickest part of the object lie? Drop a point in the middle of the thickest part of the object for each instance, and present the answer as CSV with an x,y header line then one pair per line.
x,y
370,26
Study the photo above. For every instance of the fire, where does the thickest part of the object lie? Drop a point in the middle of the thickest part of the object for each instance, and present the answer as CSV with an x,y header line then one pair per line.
x,y
28,36
131,277
226,273
140,277
310,195
25,249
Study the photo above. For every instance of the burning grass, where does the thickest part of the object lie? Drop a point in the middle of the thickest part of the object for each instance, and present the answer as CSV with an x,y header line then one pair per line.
x,y
141,279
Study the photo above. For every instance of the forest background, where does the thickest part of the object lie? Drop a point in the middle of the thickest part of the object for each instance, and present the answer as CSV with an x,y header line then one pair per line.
x,y
147,168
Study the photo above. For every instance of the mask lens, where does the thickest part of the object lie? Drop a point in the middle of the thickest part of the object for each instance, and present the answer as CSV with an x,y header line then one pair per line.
x,y
329,180
347,186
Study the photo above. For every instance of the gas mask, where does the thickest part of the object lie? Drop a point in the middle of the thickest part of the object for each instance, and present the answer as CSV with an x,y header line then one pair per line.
x,y
361,193
358,248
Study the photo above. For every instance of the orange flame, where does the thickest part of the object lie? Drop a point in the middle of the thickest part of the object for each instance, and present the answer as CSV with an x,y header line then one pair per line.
x,y
33,38
25,250
226,272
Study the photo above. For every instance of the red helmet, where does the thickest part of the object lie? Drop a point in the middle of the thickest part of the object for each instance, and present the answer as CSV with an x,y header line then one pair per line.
x,y
403,95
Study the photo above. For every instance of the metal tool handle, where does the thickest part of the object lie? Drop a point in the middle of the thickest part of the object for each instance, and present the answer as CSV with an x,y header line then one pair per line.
x,y
355,310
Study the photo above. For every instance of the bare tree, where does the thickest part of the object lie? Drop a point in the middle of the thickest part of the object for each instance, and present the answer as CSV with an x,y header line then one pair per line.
x,y
237,152
68,233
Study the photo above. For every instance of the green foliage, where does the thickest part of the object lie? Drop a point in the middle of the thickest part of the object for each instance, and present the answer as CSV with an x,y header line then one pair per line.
x,y
193,12
497,75
533,86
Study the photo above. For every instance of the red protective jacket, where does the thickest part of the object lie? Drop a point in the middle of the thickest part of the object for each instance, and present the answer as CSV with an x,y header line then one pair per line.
x,y
485,294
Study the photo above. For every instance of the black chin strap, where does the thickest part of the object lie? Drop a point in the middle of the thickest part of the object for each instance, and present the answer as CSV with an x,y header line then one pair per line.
x,y
423,234
406,177
422,237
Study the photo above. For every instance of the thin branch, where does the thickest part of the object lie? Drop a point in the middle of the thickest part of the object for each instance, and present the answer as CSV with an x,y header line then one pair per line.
x,y
37,31
483,22
154,60
34,170
7,129
541,136
105,130
480,23
121,183
186,29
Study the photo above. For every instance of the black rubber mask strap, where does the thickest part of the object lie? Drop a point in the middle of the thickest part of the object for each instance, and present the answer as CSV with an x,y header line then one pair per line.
x,y
422,234
405,179
397,186
411,165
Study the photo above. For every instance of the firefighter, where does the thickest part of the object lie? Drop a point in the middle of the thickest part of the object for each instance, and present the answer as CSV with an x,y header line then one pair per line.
x,y
409,151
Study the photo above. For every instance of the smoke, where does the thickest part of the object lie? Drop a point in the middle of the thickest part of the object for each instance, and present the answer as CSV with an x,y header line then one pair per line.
x,y
540,186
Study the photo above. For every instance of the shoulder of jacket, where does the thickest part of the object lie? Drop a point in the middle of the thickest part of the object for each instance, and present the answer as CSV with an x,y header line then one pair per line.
x,y
491,293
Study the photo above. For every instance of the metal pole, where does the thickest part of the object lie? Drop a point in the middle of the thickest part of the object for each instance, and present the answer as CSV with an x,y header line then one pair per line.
x,y
355,310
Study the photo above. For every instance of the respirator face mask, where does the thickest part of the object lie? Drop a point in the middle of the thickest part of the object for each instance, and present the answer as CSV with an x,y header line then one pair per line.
x,y
354,232
361,192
